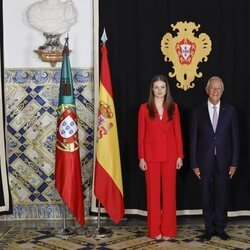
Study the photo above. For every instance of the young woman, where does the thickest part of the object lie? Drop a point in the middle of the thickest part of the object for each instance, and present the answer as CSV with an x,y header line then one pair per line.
x,y
160,154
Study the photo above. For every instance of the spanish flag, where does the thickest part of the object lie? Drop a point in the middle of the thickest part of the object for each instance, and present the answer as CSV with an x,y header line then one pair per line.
x,y
68,178
108,187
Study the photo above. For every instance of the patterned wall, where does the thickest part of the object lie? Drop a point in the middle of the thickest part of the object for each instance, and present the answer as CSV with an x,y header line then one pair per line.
x,y
31,98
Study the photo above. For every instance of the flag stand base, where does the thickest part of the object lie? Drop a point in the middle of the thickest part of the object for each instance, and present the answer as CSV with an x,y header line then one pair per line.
x,y
65,233
98,232
101,232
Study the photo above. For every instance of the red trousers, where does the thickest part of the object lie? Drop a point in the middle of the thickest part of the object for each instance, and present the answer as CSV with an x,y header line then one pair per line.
x,y
161,198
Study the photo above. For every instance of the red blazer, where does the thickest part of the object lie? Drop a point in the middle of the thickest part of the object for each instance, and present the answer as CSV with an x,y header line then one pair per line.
x,y
159,140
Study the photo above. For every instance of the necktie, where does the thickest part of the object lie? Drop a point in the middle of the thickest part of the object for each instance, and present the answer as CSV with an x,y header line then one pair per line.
x,y
215,118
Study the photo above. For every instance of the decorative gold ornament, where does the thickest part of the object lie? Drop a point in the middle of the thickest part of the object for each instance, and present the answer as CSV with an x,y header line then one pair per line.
x,y
51,56
185,51
52,50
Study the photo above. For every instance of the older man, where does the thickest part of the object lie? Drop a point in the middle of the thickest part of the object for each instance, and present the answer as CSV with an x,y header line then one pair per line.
x,y
214,153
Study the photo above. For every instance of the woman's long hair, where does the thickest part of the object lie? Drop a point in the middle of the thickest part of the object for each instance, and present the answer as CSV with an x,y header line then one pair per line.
x,y
168,100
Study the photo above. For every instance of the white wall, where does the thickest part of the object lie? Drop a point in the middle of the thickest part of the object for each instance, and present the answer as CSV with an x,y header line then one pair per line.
x,y
20,39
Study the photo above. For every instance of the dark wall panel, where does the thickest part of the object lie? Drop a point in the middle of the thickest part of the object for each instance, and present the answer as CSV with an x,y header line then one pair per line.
x,y
135,30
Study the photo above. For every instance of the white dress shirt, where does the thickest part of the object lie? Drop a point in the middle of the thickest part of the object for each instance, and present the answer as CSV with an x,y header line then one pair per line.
x,y
211,109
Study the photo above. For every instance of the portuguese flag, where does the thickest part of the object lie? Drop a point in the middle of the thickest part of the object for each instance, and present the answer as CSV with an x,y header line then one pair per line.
x,y
68,178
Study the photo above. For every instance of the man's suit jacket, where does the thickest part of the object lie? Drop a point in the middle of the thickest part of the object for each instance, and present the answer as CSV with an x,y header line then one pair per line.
x,y
159,140
203,139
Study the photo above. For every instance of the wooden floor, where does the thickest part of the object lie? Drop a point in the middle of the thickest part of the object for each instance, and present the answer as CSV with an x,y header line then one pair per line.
x,y
129,234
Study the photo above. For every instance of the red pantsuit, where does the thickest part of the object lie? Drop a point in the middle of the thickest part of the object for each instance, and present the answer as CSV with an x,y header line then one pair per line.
x,y
159,144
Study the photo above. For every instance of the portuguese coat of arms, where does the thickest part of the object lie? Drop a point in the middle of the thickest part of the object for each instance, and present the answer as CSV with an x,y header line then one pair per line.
x,y
185,51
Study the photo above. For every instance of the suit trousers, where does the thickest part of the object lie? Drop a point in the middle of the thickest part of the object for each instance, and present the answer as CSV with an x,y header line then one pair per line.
x,y
215,193
161,198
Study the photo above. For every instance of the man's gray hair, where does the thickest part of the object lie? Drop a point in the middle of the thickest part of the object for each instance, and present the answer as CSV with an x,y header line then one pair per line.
x,y
215,77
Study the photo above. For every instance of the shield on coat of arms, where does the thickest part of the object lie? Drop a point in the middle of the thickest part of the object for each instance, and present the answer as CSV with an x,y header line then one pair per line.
x,y
67,127
185,50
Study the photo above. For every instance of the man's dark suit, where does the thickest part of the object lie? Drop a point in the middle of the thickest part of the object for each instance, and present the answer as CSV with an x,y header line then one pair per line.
x,y
214,169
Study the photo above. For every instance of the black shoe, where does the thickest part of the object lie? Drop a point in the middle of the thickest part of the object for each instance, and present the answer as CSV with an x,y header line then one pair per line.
x,y
206,236
223,236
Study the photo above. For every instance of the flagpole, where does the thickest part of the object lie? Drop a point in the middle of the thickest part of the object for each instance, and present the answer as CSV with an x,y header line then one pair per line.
x,y
108,187
99,232
67,149
65,233
64,217
99,215
102,231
